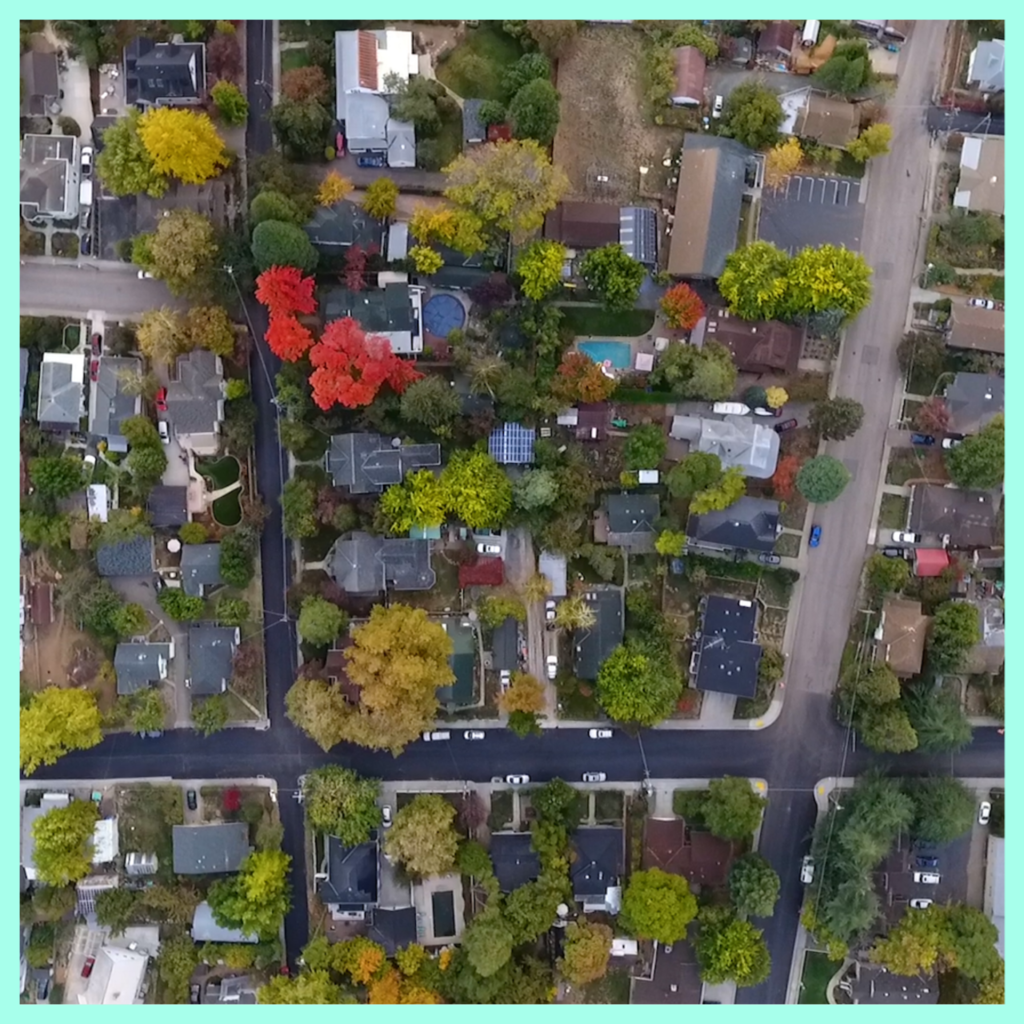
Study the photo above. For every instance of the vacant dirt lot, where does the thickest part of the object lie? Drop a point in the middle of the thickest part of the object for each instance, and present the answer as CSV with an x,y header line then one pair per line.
x,y
604,128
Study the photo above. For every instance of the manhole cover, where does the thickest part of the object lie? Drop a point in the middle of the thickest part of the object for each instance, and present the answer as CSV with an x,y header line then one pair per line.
x,y
869,355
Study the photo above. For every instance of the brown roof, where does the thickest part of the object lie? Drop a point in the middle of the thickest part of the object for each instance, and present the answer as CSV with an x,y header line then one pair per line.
x,y
777,38
904,628
690,70
42,604
587,225
700,857
757,346
983,330
827,120
590,417
368,61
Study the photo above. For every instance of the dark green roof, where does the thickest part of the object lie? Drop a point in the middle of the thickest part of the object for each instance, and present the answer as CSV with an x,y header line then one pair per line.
x,y
384,310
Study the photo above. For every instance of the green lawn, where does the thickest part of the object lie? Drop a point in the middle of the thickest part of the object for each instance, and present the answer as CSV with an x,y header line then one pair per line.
x,y
904,464
223,472
473,69
315,548
292,59
818,971
788,545
612,988
893,512
597,321
444,147
850,168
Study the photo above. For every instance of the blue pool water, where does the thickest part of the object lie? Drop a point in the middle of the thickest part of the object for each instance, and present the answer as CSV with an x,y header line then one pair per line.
x,y
617,352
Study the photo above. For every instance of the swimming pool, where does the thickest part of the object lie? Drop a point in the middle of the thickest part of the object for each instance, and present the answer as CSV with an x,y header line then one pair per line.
x,y
618,353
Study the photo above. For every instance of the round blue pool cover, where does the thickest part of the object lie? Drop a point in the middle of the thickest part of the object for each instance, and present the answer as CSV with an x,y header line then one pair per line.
x,y
443,314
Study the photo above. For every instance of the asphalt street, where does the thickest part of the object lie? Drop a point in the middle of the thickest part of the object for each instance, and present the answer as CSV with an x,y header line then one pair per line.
x,y
803,746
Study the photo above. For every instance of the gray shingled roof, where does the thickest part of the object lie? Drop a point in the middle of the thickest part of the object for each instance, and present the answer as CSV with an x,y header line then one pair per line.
x,y
39,70
394,929
473,129
138,665
728,653
367,463
973,399
599,863
172,73
384,310
129,558
200,568
46,162
206,929
195,400
631,519
211,650
750,524
365,565
598,642
109,406
168,506
210,849
61,397
342,225
351,874
515,861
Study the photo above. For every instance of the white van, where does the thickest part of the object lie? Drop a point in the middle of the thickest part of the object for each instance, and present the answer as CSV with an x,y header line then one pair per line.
x,y
731,409
85,193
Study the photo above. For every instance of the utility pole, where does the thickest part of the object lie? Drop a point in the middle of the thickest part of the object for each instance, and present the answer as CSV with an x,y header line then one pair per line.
x,y
648,788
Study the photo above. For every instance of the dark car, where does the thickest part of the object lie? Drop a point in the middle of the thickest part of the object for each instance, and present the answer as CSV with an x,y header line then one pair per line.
x,y
925,439
161,400
815,536
190,799
87,967
781,428
370,160
97,344
86,245
927,862
768,559
94,370
894,552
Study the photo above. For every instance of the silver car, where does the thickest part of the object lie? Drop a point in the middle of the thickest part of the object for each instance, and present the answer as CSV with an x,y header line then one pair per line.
x,y
517,780
594,776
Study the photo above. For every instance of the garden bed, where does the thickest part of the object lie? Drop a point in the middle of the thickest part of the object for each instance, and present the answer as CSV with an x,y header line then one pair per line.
x,y
756,706
294,58
574,703
688,804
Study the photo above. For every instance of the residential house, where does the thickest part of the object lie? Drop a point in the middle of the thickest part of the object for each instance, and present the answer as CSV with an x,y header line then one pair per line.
x,y
211,652
986,69
900,637
195,401
594,645
554,568
709,197
367,63
206,929
394,928
336,228
459,271
215,848
737,440
727,655
126,558
200,569
972,400
593,225
484,572
631,519
505,646
671,979
982,185
167,507
962,519
109,404
974,329
827,120
776,40
757,346
40,85
49,178
393,312
348,879
474,131
750,524
515,861
367,463
691,67
596,873
674,846
874,985
61,404
141,665
988,655
511,444
117,977
462,691
239,990
361,564
164,74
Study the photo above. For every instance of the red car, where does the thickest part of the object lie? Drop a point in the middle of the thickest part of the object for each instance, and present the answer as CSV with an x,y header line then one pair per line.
x,y
781,428
339,147
88,966
161,400
94,370
97,344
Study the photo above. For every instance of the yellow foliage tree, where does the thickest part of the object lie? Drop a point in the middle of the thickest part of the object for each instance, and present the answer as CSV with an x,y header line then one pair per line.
x,y
526,694
782,161
426,260
333,189
55,722
458,229
381,198
183,143
162,335
873,141
777,397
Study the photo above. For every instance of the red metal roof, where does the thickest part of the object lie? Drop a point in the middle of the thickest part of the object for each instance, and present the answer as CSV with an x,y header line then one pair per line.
x,y
368,61
484,572
499,133
930,561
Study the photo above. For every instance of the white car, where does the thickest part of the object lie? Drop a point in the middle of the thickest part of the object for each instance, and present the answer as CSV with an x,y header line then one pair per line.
x,y
385,816
517,780
984,812
600,734
144,274
505,679
982,303
807,870
163,430
549,610
594,776
762,411
86,161
474,734
436,736
488,549
927,877
552,664
716,110
920,904
905,537
952,442
89,461
730,409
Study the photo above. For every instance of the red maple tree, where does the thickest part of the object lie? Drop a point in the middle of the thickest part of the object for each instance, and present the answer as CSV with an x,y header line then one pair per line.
x,y
284,291
784,477
287,338
682,307
351,366
355,266
580,379
932,416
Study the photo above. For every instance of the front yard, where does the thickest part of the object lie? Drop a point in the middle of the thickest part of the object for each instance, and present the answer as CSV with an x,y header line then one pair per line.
x,y
906,464
817,973
893,512
473,70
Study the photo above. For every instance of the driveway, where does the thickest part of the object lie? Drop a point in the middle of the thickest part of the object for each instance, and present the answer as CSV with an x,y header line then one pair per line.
x,y
77,102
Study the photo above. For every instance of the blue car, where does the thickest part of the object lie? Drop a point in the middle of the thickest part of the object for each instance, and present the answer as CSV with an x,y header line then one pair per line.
x,y
815,536
370,160
925,439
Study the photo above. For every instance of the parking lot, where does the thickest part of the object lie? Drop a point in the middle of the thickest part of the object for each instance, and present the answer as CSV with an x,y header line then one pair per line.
x,y
811,210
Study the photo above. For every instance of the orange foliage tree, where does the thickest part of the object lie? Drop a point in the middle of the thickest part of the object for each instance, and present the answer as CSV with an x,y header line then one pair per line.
x,y
784,477
682,307
580,379
284,291
287,338
351,367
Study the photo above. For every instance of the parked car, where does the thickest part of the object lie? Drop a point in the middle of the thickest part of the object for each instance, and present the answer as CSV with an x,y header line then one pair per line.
x,y
85,246
790,424
86,161
952,442
920,904
594,776
97,344
437,736
984,812
600,734
90,963
894,552
768,411
94,370
552,664
43,987
927,862
474,734
489,549
153,734
769,559
716,110
89,461
927,878
339,145
193,994
164,431
549,610
191,800
160,401
370,160
905,537
982,303
144,275
385,816
925,439
505,679
815,537
517,780
807,870
731,409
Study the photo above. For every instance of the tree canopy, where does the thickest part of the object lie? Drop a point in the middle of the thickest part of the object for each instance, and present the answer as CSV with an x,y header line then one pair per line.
x,y
587,948
183,143
822,479
320,621
682,307
657,905
979,460
180,250
636,686
753,885
580,379
943,809
699,471
278,243
423,838
533,112
956,628
836,419
380,198
732,809
731,949
256,899
754,282
887,575
645,447
847,71
341,803
55,722
124,165
63,843
614,275
539,266
752,115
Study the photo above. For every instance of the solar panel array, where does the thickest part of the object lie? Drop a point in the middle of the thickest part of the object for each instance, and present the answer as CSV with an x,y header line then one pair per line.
x,y
512,444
